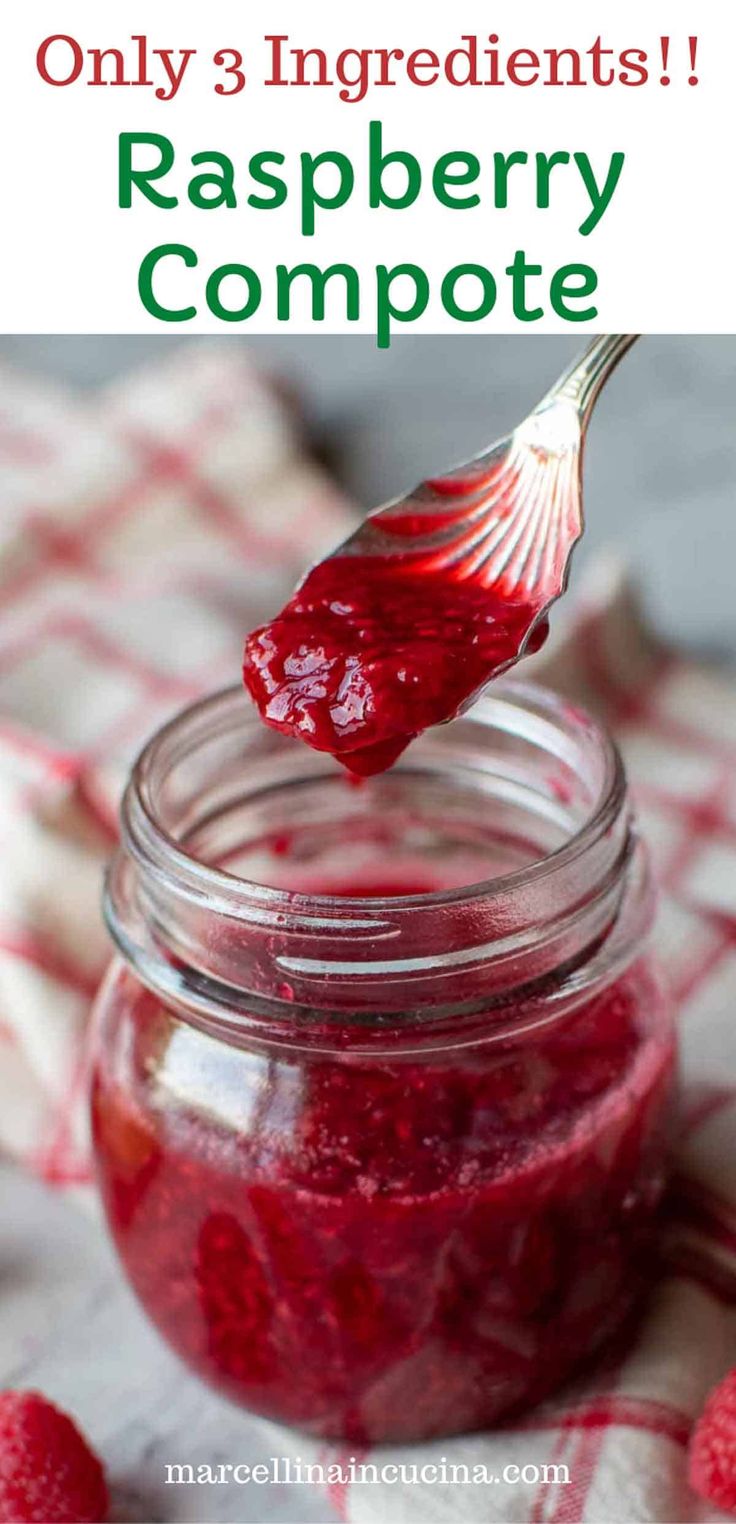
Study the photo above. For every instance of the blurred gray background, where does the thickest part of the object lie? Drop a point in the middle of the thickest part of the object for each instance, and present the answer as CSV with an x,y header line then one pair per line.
x,y
660,479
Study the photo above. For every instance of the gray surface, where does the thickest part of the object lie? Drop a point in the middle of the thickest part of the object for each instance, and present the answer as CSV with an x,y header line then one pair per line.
x,y
661,466
70,1327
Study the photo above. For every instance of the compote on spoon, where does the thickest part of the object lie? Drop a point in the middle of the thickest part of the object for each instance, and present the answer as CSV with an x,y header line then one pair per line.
x,y
435,594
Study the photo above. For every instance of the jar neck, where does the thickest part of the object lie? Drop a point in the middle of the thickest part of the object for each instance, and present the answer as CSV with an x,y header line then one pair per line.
x,y
227,826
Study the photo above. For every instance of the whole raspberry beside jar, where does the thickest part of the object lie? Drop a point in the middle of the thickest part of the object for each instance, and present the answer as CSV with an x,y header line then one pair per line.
x,y
48,1473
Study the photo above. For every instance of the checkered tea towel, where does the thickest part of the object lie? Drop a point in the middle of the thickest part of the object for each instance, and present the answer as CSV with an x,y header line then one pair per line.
x,y
141,533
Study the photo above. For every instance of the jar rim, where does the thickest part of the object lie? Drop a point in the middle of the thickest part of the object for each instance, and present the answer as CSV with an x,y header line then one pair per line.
x,y
245,955
165,854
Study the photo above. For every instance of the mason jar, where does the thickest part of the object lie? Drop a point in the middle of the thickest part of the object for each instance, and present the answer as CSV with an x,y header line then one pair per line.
x,y
383,1075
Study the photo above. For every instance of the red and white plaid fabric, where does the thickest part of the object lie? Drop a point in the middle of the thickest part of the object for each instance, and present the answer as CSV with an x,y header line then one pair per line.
x,y
141,533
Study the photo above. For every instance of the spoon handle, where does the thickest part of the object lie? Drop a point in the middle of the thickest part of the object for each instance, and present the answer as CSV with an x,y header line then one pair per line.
x,y
587,376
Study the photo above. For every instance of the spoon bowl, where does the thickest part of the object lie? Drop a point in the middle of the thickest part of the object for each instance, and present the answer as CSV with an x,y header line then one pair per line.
x,y
436,593
510,518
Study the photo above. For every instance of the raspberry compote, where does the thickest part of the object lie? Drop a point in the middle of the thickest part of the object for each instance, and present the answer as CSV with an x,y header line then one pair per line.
x,y
381,1145
370,651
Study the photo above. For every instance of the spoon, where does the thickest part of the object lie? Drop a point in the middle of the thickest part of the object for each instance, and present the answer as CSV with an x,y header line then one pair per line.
x,y
435,593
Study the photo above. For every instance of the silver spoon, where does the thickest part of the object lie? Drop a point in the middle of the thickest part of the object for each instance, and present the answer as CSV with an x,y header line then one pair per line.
x,y
462,573
511,517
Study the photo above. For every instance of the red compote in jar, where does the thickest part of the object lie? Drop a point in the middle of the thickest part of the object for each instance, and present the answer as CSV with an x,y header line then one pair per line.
x,y
383,1075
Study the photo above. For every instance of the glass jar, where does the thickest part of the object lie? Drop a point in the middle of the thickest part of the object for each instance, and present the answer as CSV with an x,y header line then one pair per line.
x,y
382,1090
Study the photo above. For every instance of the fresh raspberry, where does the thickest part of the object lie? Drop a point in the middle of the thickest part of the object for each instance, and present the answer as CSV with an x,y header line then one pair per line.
x,y
48,1474
712,1468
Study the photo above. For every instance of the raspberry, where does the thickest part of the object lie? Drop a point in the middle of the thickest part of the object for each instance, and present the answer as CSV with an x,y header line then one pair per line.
x,y
712,1469
48,1474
